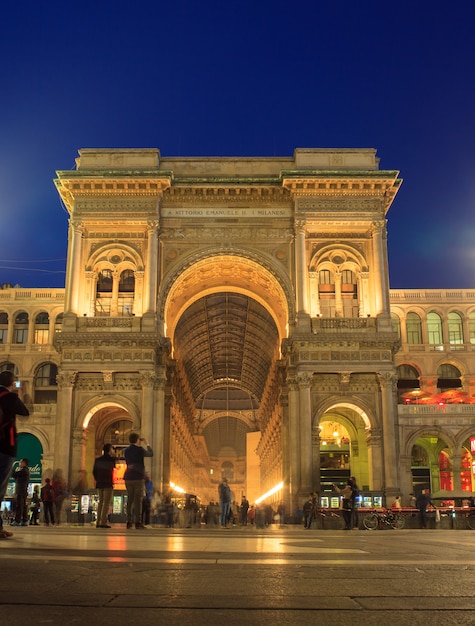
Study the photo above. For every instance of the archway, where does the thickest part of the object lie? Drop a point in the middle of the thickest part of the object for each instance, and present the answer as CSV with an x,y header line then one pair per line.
x,y
343,432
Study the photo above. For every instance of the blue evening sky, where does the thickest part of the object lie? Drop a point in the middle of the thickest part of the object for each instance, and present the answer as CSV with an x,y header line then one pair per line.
x,y
241,77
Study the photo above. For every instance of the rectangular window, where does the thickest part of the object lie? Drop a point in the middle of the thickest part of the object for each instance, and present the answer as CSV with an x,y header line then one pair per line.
x,y
21,335
41,335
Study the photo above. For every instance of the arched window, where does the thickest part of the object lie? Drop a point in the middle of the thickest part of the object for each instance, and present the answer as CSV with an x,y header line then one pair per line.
x,y
9,367
434,331
45,384
396,324
21,328
326,293
42,328
471,327
349,294
127,282
413,329
455,331
3,327
126,293
104,281
449,377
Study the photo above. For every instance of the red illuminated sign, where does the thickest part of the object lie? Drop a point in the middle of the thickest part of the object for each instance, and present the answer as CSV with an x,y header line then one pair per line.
x,y
472,445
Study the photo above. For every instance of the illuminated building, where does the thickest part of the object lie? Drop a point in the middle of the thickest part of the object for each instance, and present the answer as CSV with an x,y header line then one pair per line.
x,y
237,312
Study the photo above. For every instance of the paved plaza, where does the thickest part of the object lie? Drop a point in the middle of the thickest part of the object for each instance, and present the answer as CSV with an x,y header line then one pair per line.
x,y
77,575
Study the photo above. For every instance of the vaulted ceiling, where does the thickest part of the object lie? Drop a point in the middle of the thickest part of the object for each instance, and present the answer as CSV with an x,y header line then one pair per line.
x,y
227,343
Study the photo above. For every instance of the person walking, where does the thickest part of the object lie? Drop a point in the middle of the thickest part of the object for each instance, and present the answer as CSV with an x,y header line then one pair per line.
x,y
10,407
102,471
47,498
22,479
224,493
134,477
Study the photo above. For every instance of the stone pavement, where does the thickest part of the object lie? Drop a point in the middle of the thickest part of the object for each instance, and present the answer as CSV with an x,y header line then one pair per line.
x,y
288,576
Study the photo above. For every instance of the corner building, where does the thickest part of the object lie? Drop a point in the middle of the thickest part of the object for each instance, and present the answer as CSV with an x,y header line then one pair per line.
x,y
237,312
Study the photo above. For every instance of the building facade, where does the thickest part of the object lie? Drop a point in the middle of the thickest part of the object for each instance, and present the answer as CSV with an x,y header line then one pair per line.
x,y
237,312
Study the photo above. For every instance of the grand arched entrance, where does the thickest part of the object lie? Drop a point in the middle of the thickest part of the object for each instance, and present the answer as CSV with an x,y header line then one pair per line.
x,y
227,317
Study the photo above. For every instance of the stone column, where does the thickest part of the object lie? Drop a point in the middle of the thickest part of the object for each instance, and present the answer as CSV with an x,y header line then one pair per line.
x,y
375,459
314,295
294,436
301,282
151,270
405,478
305,418
64,422
338,298
316,460
380,282
90,293
456,469
387,381
159,430
73,278
363,295
114,311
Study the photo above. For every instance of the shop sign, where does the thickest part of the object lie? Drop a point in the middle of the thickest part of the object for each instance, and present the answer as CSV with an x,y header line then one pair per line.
x,y
472,445
29,447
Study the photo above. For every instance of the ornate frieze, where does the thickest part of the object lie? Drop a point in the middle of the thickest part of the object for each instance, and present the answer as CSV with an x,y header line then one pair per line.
x,y
218,232
231,195
337,205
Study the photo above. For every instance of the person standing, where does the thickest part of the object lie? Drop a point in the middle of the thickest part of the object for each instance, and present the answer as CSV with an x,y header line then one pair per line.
x,y
224,493
60,492
47,498
345,494
134,477
102,472
422,502
10,407
147,501
243,510
22,479
355,493
35,506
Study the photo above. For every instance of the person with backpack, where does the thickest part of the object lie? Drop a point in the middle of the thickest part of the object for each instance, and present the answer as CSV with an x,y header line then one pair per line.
x,y
10,407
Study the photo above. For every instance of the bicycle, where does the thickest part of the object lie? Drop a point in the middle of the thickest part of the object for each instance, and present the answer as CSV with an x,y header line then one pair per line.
x,y
385,518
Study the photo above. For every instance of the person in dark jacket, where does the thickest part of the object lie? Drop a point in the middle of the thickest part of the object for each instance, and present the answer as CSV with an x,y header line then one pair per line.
x,y
102,472
134,477
35,506
47,498
10,407
422,502
22,479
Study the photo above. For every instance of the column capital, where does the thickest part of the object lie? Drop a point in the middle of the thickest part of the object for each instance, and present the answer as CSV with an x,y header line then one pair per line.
x,y
66,379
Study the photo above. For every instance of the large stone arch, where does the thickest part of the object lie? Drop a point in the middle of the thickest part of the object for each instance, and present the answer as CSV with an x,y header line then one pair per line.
x,y
366,414
89,410
240,271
